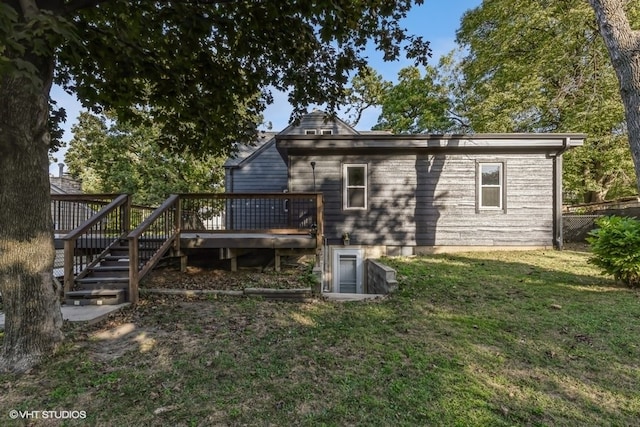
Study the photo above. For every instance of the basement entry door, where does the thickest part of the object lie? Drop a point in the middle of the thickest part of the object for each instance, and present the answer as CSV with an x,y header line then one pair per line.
x,y
347,271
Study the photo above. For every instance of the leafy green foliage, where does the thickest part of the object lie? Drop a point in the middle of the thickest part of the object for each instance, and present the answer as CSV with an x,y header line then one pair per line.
x,y
113,157
616,248
416,104
535,66
204,69
368,89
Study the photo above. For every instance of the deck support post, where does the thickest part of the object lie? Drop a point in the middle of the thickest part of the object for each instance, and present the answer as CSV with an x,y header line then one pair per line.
x,y
234,259
277,260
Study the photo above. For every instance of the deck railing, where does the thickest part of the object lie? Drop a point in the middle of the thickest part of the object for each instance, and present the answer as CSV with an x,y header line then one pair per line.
x,y
244,212
68,211
84,245
150,240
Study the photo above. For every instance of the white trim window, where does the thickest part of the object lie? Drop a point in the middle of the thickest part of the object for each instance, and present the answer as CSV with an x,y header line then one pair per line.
x,y
326,131
310,132
354,193
491,186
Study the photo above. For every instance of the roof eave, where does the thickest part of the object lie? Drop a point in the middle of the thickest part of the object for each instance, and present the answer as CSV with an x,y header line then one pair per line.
x,y
486,142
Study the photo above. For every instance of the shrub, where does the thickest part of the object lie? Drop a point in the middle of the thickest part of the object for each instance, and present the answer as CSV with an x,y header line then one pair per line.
x,y
616,248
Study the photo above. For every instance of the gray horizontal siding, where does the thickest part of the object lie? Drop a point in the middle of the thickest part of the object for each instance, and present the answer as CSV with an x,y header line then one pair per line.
x,y
264,173
429,200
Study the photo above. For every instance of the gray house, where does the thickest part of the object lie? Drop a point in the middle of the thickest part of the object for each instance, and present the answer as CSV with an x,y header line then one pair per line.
x,y
409,194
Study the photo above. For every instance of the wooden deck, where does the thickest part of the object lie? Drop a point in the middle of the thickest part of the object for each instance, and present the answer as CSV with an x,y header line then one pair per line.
x,y
92,230
247,241
282,244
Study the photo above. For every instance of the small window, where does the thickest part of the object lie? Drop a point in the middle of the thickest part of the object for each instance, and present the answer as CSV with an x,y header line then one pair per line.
x,y
354,178
490,186
309,131
326,131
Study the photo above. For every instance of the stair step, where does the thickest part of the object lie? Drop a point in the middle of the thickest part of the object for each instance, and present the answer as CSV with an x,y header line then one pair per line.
x,y
95,297
101,285
108,279
110,271
108,263
117,258
118,267
119,252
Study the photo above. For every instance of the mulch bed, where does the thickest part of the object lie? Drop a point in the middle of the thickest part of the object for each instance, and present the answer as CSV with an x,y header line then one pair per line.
x,y
202,278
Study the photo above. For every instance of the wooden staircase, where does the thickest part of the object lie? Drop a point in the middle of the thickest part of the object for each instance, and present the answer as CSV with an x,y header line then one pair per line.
x,y
107,282
105,259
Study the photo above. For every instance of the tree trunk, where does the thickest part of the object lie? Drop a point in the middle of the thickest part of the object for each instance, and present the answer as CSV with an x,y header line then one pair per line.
x,y
623,45
33,320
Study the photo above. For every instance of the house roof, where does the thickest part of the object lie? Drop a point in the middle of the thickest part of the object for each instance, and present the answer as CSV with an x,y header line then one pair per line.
x,y
266,139
500,142
245,151
64,185
56,190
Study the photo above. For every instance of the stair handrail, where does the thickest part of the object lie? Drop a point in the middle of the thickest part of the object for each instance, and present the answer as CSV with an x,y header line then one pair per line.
x,y
137,271
72,237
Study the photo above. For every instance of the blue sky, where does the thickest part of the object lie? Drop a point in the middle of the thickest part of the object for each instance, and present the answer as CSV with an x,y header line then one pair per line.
x,y
436,20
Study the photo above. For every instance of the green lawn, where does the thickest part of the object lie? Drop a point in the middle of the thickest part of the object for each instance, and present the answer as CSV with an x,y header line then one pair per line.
x,y
488,339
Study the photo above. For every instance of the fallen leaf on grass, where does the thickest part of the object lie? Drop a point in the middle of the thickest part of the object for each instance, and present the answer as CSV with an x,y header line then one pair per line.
x,y
164,409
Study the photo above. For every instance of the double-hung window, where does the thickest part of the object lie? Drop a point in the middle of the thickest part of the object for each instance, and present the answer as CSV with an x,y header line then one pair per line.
x,y
354,178
490,186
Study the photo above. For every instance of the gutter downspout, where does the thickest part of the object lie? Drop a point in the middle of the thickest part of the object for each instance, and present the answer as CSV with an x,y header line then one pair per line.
x,y
557,194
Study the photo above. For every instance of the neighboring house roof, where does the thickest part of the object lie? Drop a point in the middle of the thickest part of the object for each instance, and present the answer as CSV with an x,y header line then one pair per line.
x,y
55,189
64,185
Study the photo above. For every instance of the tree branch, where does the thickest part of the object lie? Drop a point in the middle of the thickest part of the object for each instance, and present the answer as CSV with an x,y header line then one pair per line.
x,y
29,9
75,5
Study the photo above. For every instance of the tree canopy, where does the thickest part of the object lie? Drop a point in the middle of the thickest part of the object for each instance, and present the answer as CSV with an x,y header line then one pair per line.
x,y
521,66
204,69
415,104
619,24
111,157
535,66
